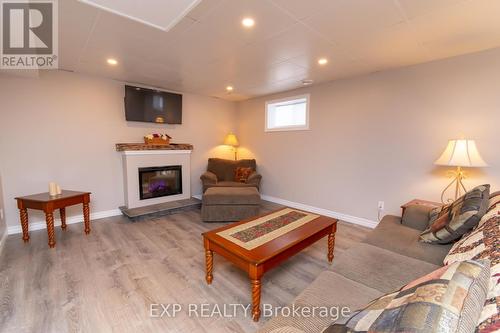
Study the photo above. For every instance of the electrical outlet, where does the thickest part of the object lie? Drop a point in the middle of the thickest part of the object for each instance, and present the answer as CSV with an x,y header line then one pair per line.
x,y
380,205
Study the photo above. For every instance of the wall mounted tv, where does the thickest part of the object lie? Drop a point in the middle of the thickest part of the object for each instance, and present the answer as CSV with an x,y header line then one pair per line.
x,y
152,106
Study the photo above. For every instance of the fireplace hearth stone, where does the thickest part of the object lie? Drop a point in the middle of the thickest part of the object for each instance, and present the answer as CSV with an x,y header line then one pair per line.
x,y
157,210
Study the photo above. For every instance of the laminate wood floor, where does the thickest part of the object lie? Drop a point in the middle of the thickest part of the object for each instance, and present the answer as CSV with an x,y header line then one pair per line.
x,y
107,281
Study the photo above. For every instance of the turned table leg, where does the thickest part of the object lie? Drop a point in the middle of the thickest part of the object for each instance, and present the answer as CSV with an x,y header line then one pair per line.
x,y
331,245
86,217
256,289
209,262
24,224
49,218
62,213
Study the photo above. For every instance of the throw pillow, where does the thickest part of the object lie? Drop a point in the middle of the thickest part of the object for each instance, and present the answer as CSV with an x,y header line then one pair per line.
x,y
438,212
484,243
447,300
455,220
241,174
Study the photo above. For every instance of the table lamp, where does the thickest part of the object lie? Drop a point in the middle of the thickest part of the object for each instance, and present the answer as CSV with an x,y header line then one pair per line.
x,y
460,153
232,140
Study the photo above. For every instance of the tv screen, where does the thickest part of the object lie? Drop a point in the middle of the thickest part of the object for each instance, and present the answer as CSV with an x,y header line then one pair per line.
x,y
155,106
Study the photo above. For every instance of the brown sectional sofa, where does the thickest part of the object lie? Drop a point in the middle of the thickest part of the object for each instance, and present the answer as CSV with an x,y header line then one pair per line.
x,y
390,257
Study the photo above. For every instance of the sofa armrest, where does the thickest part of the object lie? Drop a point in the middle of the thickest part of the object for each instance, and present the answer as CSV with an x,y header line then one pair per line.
x,y
208,178
254,179
416,217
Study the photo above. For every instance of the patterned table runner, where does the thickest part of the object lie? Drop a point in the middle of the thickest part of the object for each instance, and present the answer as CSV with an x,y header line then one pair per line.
x,y
264,229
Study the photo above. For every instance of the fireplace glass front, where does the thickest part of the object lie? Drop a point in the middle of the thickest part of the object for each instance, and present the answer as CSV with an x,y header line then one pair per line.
x,y
160,181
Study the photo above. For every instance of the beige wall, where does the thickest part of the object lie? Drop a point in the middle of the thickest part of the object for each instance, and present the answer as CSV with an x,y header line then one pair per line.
x,y
372,138
375,137
3,226
64,126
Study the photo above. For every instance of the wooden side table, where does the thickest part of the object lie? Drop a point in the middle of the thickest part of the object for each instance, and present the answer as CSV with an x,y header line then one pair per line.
x,y
47,203
419,202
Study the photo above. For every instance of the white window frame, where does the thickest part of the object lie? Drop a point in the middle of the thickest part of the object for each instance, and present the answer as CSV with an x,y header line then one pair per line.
x,y
288,128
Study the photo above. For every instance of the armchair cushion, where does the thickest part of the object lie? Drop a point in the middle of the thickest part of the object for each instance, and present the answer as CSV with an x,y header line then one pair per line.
x,y
231,184
254,179
221,173
227,184
208,178
225,169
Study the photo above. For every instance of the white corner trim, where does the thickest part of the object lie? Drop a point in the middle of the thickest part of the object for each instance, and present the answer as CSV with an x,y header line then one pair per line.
x,y
343,217
39,225
156,152
2,241
197,196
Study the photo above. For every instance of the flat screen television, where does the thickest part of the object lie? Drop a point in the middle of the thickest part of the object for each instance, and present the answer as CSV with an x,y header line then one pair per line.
x,y
154,106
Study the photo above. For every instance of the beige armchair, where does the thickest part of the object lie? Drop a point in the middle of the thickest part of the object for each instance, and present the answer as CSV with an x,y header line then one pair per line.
x,y
221,172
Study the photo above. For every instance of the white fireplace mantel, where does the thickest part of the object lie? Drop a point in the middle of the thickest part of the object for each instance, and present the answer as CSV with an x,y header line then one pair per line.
x,y
132,160
155,152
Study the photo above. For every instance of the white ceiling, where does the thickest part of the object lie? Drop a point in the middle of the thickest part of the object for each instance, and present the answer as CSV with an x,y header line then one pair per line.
x,y
159,14
208,48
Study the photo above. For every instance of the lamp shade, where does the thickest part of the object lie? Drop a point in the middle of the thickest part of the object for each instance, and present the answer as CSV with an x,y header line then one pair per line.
x,y
231,140
461,153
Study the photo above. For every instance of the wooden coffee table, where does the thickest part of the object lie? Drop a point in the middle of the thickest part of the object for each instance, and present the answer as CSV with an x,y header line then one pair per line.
x,y
47,203
258,260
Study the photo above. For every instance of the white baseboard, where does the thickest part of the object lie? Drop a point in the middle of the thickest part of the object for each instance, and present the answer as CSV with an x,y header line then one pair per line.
x,y
39,225
330,213
343,217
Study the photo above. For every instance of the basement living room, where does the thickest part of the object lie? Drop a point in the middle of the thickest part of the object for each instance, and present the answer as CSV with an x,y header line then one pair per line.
x,y
281,166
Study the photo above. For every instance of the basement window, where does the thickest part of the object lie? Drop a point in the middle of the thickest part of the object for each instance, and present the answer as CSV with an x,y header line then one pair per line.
x,y
289,114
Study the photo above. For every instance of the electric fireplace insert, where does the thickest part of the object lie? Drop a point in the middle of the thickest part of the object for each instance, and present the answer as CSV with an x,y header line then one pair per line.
x,y
161,181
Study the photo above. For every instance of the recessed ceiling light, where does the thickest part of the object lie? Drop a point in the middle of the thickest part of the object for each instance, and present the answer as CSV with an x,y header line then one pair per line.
x,y
248,22
112,61
307,82
229,88
323,61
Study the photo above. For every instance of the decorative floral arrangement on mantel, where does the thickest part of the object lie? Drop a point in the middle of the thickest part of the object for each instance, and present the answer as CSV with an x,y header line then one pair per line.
x,y
157,139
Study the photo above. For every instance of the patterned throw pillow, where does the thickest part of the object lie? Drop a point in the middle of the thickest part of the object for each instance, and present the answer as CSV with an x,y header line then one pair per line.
x,y
484,243
438,212
241,174
447,300
493,208
458,218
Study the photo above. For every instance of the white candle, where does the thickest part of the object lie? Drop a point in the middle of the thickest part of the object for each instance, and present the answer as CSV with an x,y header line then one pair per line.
x,y
52,189
58,189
